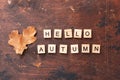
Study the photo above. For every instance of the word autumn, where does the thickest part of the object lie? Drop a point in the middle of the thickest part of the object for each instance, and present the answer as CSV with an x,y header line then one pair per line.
x,y
63,48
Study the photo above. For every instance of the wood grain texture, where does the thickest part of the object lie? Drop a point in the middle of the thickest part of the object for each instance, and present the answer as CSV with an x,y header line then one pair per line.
x,y
102,16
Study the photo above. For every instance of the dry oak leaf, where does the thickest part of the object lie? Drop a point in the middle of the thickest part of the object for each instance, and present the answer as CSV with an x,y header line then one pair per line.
x,y
19,41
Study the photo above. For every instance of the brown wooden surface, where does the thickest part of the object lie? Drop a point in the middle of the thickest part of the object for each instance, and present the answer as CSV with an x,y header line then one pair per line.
x,y
102,16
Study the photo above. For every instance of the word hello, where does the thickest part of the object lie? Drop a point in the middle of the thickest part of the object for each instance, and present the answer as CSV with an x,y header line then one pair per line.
x,y
87,33
63,48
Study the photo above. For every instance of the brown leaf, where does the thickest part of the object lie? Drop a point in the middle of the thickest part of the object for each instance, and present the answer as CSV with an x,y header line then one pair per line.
x,y
37,64
19,41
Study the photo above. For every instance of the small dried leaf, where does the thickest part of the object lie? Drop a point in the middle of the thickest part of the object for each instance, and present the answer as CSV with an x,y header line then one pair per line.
x,y
37,64
19,41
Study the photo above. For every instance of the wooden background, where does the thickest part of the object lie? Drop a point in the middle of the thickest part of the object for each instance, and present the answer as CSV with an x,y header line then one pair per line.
x,y
102,16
